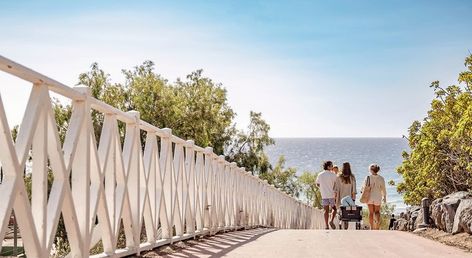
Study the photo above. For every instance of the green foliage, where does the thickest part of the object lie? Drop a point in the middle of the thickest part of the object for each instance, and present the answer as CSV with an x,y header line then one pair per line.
x,y
440,161
283,178
62,115
247,149
195,108
205,113
28,183
10,251
386,211
309,188
61,244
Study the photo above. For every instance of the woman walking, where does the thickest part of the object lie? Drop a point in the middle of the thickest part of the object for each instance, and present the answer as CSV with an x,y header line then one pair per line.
x,y
377,195
345,189
345,186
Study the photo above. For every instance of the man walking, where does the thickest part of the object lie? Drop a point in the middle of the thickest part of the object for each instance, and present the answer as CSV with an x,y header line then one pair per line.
x,y
325,181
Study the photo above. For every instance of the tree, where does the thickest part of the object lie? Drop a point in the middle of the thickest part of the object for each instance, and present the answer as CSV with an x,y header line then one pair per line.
x,y
196,108
283,178
247,148
101,88
440,161
309,188
206,116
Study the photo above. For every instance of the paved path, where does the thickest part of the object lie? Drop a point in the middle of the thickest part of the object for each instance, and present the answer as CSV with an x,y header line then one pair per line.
x,y
319,243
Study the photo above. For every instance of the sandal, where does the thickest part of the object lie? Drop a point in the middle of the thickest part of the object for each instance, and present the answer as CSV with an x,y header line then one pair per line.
x,y
333,226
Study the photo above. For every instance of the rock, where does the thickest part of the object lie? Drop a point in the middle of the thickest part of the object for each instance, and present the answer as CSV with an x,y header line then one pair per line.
x,y
402,224
443,210
414,212
412,209
463,217
436,213
418,230
419,219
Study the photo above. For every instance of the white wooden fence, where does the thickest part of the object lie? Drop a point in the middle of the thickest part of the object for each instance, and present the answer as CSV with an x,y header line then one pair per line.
x,y
171,188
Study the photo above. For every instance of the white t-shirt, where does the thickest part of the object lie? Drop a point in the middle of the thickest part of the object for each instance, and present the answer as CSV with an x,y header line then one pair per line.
x,y
326,180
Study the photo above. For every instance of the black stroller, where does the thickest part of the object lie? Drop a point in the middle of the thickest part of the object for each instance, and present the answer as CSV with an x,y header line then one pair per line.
x,y
350,214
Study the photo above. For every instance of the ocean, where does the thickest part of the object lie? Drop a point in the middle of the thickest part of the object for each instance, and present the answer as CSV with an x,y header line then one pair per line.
x,y
308,154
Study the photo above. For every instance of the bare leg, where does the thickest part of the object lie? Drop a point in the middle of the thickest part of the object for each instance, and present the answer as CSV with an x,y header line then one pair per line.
x,y
377,216
371,216
333,213
326,215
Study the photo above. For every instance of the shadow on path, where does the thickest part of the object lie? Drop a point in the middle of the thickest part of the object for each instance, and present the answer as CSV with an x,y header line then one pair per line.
x,y
220,245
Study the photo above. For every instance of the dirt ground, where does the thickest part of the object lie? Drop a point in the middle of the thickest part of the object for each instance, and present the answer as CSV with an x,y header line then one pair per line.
x,y
461,240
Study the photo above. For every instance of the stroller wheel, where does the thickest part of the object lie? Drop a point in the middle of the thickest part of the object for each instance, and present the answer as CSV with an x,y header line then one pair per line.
x,y
346,224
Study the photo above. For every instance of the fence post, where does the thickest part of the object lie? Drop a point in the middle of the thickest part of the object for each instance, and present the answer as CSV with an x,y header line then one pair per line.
x,y
425,203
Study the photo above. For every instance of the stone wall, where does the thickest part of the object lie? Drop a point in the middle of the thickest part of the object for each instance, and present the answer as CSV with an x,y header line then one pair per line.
x,y
452,214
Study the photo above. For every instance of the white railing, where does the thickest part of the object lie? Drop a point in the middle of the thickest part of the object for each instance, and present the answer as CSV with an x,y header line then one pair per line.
x,y
172,188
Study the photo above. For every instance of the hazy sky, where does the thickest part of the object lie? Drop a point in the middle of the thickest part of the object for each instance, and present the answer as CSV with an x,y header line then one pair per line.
x,y
313,68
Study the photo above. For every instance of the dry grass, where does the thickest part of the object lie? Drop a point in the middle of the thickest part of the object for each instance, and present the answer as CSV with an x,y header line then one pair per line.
x,y
462,240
